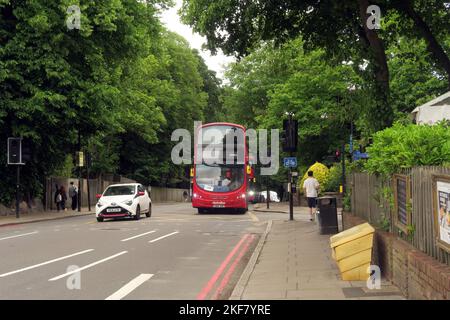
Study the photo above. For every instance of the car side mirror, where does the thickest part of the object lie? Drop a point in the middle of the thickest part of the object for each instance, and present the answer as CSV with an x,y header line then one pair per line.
x,y
141,193
98,196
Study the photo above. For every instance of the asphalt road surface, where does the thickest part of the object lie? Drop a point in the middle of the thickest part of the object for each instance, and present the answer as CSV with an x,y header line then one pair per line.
x,y
175,254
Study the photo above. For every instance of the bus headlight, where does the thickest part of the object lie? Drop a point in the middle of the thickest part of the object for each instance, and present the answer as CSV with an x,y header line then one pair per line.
x,y
243,196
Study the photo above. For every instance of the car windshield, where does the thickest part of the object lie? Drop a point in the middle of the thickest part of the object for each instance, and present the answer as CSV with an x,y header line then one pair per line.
x,y
120,191
219,178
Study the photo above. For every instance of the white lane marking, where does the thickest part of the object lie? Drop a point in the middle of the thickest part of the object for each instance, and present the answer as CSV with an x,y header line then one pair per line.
x,y
45,263
160,238
138,236
88,266
129,287
19,235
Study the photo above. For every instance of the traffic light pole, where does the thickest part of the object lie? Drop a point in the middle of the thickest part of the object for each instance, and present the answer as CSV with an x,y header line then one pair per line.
x,y
87,179
343,169
79,173
291,197
18,192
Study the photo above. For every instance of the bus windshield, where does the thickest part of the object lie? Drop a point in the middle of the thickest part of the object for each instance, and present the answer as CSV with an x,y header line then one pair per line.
x,y
220,178
222,145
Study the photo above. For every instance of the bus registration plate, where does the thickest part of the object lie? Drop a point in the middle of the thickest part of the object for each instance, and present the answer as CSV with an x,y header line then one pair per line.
x,y
218,205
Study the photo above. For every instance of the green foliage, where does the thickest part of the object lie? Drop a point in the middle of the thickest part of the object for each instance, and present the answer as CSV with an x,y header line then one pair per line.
x,y
347,201
321,173
121,77
334,180
66,169
411,230
406,146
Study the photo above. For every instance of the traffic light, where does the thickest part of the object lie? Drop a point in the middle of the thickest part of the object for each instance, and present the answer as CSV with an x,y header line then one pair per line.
x,y
26,151
14,151
337,156
289,136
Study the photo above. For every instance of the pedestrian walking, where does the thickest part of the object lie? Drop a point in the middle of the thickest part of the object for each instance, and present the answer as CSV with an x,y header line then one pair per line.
x,y
63,197
57,198
311,190
73,194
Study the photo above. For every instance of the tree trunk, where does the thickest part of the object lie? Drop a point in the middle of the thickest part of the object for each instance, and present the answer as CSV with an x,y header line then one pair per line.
x,y
383,115
433,45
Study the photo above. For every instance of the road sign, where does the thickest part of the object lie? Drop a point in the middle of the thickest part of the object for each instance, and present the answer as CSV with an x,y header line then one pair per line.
x,y
80,159
290,162
357,155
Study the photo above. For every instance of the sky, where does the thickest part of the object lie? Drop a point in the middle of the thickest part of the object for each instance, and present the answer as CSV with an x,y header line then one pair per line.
x,y
172,21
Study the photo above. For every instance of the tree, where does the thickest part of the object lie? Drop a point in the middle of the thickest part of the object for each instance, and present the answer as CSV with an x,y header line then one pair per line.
x,y
339,27
212,86
56,82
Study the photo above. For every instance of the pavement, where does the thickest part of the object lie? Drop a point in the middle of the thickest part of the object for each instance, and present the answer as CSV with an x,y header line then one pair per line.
x,y
293,261
34,216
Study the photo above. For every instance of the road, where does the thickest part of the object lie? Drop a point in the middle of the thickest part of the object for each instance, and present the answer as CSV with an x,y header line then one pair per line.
x,y
175,254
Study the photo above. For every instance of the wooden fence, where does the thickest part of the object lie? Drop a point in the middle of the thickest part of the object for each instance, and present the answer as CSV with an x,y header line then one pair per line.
x,y
369,202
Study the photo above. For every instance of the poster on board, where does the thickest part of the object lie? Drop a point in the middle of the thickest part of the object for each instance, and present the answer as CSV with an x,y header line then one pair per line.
x,y
443,211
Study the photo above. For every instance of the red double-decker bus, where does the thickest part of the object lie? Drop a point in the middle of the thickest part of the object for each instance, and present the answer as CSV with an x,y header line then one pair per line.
x,y
221,169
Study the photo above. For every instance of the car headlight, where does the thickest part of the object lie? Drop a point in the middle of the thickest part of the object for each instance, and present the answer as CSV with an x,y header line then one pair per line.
x,y
99,204
251,193
128,202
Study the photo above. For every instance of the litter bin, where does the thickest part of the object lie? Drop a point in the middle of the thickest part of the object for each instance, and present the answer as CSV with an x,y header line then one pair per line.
x,y
352,250
327,215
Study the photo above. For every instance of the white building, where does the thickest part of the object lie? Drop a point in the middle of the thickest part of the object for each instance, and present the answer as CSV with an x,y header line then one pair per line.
x,y
433,111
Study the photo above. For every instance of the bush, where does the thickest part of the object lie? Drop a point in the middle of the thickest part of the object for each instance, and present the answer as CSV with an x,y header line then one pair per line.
x,y
321,173
334,180
406,146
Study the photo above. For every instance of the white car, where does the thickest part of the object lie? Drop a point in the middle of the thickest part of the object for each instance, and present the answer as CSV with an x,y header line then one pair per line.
x,y
123,200
273,196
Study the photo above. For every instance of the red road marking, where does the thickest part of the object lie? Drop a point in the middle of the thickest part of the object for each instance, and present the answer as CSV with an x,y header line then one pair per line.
x,y
226,278
204,292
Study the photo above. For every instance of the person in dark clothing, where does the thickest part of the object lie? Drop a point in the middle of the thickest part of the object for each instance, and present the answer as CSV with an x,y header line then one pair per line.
x,y
63,198
73,194
55,197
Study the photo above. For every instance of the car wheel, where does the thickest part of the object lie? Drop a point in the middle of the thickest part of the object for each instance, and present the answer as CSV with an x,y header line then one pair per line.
x,y
99,219
149,213
138,213
201,211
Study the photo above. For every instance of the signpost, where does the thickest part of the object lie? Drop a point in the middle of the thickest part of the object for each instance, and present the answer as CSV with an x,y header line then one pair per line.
x,y
290,162
80,163
14,155
358,155
290,142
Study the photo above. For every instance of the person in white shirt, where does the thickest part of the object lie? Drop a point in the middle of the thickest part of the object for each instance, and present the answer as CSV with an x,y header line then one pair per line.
x,y
311,190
